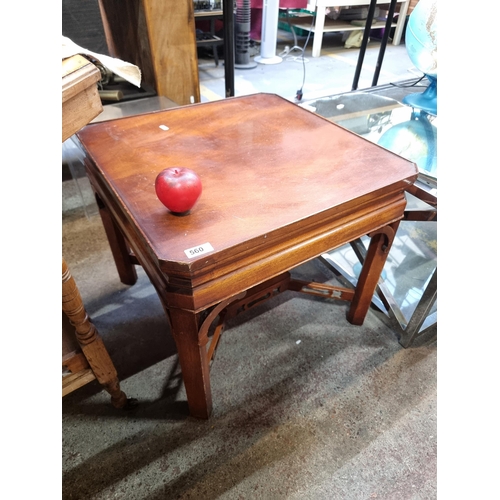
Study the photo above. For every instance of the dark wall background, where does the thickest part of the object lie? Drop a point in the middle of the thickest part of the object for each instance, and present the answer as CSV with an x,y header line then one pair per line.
x,y
81,22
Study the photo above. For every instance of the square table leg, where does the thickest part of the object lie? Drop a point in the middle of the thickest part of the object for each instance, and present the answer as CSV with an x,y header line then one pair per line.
x,y
118,245
377,254
193,360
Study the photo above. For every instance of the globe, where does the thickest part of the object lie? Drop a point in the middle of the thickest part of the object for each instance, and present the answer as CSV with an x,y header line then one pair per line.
x,y
415,140
421,45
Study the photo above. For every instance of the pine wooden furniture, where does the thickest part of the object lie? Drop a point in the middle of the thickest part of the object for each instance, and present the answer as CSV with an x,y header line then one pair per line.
x,y
281,186
84,356
80,97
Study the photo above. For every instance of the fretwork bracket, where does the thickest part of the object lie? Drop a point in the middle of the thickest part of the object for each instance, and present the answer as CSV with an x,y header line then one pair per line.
x,y
258,295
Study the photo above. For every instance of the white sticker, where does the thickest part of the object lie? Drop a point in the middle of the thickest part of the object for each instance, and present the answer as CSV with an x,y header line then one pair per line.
x,y
163,127
199,250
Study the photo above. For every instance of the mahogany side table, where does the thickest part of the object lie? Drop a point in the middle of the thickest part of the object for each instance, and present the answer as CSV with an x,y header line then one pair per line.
x,y
281,185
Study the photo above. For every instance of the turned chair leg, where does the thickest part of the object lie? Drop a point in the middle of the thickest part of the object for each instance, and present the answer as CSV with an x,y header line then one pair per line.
x,y
90,341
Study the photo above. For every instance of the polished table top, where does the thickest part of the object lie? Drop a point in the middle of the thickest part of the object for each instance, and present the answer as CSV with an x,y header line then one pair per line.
x,y
267,167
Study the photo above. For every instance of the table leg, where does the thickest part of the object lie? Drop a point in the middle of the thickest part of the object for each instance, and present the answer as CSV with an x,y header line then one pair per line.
x,y
194,361
89,340
377,254
118,245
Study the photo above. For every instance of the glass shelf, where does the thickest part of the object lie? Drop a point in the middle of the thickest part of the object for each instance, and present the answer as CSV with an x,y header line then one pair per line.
x,y
407,290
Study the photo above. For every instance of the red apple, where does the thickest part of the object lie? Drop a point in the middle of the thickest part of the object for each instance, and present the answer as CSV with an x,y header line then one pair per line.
x,y
178,188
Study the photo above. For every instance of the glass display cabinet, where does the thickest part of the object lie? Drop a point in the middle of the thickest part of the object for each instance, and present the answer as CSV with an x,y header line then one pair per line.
x,y
407,290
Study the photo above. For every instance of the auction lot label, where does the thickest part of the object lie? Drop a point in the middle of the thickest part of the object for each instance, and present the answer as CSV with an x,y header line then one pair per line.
x,y
199,250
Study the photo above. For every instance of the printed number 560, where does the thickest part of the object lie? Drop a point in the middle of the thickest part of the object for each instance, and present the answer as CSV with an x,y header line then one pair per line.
x,y
199,250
